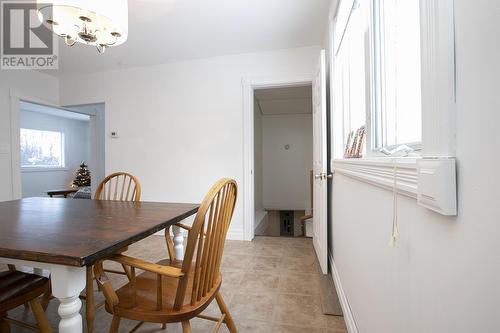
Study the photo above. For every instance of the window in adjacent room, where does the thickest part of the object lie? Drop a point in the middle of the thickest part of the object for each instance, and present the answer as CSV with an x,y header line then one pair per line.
x,y
41,149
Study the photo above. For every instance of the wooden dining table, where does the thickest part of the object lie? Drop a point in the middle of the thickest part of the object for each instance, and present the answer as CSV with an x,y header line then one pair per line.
x,y
64,236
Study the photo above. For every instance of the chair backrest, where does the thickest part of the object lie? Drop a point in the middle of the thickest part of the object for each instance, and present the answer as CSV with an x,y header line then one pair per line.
x,y
120,186
206,239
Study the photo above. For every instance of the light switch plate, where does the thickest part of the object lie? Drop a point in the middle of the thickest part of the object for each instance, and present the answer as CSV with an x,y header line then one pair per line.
x,y
437,185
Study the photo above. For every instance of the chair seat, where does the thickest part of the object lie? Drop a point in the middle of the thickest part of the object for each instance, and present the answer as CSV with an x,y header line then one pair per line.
x,y
16,287
140,301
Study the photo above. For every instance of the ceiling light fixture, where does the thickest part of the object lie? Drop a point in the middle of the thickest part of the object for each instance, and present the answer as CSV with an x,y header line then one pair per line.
x,y
101,23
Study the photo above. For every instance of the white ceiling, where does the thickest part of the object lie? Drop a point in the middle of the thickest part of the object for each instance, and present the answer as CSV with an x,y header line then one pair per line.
x,y
33,107
287,100
163,31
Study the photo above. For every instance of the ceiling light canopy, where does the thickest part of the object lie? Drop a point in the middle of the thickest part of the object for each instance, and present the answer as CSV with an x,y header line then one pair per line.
x,y
102,23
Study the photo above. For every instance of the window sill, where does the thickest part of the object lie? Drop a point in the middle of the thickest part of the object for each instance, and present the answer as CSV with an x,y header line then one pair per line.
x,y
42,169
380,172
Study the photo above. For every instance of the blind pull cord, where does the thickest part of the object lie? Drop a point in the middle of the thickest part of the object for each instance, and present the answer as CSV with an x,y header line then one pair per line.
x,y
394,234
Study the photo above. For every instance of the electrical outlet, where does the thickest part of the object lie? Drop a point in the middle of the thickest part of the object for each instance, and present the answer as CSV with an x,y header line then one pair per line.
x,y
114,134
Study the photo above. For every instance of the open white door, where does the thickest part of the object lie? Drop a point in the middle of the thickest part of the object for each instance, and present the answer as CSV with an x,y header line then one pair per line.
x,y
320,165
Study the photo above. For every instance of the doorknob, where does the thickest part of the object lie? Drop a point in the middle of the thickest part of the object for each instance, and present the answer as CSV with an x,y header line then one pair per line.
x,y
323,176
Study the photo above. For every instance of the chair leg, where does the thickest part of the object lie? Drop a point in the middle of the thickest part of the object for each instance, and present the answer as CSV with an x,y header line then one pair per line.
x,y
47,296
89,300
163,326
4,326
45,301
128,271
186,327
224,309
115,324
41,319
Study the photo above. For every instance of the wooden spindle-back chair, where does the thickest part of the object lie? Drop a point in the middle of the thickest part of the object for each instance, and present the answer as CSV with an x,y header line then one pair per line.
x,y
118,186
175,290
17,288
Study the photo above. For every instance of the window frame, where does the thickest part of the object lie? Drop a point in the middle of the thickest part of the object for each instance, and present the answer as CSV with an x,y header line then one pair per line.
x,y
41,168
438,102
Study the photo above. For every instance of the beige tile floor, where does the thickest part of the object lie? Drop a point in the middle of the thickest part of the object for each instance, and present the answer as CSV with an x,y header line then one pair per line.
x,y
270,285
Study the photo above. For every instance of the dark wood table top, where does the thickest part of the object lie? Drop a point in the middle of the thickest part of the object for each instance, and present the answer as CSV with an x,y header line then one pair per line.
x,y
80,232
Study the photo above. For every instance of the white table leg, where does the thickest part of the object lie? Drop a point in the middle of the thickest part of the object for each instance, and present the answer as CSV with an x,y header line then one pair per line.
x,y
178,242
67,284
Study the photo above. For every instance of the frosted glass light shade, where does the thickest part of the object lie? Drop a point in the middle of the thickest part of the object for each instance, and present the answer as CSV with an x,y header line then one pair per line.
x,y
92,22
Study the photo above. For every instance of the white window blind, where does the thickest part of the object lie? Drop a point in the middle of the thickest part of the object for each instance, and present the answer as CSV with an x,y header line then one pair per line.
x,y
352,72
398,115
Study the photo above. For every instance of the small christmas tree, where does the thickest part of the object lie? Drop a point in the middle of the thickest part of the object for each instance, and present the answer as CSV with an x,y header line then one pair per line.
x,y
82,176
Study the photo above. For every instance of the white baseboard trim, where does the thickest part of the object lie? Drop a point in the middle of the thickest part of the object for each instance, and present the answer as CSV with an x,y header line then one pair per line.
x,y
235,234
346,309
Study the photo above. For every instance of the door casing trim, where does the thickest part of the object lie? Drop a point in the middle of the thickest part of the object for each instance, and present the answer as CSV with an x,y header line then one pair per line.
x,y
249,84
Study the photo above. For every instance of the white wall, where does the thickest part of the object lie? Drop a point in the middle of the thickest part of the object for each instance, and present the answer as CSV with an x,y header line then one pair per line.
x,y
30,85
260,214
97,141
258,158
77,150
286,172
180,124
443,275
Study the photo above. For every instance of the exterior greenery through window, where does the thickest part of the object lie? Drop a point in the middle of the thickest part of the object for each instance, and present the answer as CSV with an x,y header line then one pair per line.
x,y
41,149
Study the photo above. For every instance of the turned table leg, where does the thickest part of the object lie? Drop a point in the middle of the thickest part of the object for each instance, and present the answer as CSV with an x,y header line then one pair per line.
x,y
67,284
178,242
